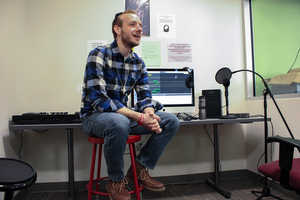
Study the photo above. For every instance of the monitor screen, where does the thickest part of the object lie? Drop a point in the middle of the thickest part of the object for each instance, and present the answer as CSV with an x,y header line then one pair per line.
x,y
168,87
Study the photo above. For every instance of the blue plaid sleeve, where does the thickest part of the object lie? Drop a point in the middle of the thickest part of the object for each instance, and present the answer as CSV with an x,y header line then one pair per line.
x,y
94,94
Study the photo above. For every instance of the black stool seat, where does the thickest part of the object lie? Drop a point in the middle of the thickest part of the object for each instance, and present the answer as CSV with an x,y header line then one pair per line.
x,y
15,175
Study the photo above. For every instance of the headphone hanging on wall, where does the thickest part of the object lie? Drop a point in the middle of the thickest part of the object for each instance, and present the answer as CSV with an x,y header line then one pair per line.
x,y
189,81
166,28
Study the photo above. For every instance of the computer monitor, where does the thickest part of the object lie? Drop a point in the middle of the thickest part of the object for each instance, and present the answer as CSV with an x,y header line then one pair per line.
x,y
168,86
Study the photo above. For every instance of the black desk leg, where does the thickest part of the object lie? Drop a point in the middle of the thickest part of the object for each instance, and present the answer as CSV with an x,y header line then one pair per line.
x,y
216,183
8,195
71,164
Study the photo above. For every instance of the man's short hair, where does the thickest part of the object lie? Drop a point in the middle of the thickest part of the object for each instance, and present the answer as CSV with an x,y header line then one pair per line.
x,y
118,21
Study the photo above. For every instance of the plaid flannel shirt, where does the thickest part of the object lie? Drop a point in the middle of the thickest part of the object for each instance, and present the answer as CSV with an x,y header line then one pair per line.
x,y
106,73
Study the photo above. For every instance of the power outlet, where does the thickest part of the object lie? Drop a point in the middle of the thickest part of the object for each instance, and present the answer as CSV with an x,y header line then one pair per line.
x,y
79,88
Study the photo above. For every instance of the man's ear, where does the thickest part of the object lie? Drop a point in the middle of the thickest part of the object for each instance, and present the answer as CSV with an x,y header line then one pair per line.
x,y
117,29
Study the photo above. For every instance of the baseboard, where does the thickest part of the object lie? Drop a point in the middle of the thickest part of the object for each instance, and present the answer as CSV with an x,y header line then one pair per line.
x,y
167,180
198,178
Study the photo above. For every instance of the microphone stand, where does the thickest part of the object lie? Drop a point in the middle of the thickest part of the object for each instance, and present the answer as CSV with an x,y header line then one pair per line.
x,y
268,91
227,116
266,191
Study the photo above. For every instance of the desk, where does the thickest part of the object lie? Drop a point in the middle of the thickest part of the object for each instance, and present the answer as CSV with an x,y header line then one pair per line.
x,y
69,127
215,183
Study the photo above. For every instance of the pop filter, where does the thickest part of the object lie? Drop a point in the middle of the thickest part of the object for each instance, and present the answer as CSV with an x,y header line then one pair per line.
x,y
223,75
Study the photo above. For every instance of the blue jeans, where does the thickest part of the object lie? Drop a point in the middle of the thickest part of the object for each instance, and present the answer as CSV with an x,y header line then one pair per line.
x,y
115,129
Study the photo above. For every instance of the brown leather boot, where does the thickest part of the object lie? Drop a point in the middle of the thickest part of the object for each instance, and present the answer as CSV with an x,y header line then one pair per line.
x,y
118,190
145,179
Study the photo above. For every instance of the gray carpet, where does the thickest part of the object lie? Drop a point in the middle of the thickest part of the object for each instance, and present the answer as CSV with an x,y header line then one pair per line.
x,y
240,188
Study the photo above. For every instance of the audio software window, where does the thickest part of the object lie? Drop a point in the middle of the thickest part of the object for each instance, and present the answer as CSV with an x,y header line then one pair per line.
x,y
169,87
168,84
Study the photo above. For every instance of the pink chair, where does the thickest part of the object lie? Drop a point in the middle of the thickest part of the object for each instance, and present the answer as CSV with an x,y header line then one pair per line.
x,y
286,170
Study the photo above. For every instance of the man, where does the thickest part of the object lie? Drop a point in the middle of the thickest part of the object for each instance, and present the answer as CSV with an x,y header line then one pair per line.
x,y
112,71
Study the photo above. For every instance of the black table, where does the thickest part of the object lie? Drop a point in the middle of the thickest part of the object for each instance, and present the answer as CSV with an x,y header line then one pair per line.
x,y
215,183
69,128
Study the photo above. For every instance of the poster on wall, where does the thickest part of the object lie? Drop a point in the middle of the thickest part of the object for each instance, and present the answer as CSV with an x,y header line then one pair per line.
x,y
92,44
142,9
181,52
151,53
166,26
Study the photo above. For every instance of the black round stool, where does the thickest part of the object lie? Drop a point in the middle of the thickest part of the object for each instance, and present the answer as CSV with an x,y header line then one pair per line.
x,y
15,175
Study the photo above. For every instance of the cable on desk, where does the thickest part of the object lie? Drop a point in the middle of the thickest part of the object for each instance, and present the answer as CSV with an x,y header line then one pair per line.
x,y
192,117
185,115
179,116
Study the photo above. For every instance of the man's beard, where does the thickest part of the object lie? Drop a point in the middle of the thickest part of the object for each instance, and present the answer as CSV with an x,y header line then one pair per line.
x,y
126,41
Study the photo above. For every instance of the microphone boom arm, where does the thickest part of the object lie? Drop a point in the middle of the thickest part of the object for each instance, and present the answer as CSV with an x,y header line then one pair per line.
x,y
272,97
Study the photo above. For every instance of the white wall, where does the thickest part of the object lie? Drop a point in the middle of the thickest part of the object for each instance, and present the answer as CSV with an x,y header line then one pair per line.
x,y
43,55
12,69
12,31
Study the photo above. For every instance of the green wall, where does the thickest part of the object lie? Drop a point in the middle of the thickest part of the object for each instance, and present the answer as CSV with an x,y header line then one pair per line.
x,y
276,36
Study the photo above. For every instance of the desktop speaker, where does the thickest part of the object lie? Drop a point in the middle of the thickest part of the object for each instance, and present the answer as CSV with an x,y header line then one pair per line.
x,y
213,103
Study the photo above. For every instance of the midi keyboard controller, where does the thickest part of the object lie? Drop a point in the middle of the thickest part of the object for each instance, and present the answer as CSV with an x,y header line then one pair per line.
x,y
46,118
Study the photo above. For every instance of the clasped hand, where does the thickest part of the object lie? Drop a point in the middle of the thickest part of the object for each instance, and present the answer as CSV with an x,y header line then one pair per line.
x,y
151,122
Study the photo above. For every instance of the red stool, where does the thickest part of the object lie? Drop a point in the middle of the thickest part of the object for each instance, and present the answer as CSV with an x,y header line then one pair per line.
x,y
100,141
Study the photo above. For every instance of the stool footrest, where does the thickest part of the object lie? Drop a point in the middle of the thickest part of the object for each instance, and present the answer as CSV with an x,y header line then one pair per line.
x,y
140,189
